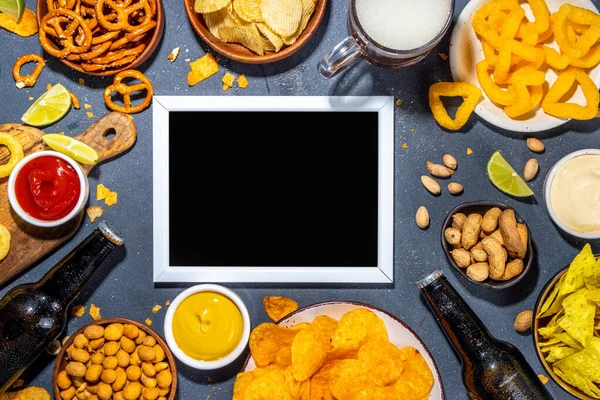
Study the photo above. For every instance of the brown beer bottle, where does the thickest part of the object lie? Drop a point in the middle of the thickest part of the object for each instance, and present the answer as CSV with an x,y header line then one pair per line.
x,y
491,368
32,315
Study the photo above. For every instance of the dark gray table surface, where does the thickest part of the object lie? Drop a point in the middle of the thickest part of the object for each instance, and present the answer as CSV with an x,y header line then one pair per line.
x,y
125,288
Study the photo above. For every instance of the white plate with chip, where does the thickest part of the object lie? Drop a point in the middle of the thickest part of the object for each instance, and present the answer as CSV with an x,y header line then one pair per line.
x,y
399,333
465,52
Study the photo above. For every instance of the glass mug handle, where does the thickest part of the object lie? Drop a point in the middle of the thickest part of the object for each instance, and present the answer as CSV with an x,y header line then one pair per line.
x,y
343,55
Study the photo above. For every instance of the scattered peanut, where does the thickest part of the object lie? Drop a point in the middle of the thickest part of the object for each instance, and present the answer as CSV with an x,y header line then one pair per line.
x,y
523,321
455,188
535,145
531,169
479,272
431,185
450,161
422,218
439,171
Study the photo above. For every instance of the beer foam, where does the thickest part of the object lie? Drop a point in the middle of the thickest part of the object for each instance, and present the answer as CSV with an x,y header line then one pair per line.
x,y
403,24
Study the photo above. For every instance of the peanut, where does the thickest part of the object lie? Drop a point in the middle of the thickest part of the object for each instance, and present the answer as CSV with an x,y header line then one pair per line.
x,y
76,369
141,336
535,145
439,171
163,391
513,268
510,233
95,344
133,372
110,362
164,378
490,220
450,161
111,348
497,235
422,218
63,381
130,331
80,355
80,341
479,272
68,394
93,373
531,169
147,381
127,344
149,341
431,185
122,359
148,369
113,331
478,253
523,321
496,257
452,235
160,366
455,188
150,393
108,376
104,391
120,380
160,354
471,229
97,358
461,257
132,391
93,332
118,395
458,221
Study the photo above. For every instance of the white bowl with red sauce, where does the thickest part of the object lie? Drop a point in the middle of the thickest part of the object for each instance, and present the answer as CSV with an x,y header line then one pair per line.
x,y
48,189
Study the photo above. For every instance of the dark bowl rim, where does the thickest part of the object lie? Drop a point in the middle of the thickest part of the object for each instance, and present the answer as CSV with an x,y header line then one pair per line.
x,y
110,320
528,260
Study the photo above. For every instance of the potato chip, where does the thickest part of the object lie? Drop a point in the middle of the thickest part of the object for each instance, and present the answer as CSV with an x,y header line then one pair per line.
x,y
271,36
242,381
383,360
95,312
111,199
4,241
416,380
220,18
30,393
292,385
248,10
278,307
346,377
267,339
94,212
246,35
208,6
309,351
325,325
308,7
228,79
101,192
242,81
543,378
270,386
319,385
284,356
78,310
356,328
202,69
282,16
28,26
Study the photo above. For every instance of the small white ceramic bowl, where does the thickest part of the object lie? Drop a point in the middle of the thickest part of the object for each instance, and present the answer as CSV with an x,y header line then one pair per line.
x,y
548,185
83,194
199,364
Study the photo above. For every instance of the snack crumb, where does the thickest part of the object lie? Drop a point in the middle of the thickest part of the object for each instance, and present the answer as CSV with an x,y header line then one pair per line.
x,y
156,309
209,379
168,303
148,321
469,152
227,80
399,102
111,199
48,86
543,378
404,146
18,383
443,56
81,81
412,130
174,54
94,212
30,98
95,312
20,84
90,115
242,81
78,310
225,87
101,192
204,67
87,106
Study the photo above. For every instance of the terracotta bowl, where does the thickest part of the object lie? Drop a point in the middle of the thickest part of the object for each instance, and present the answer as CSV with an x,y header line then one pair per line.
x,y
238,52
60,362
151,42
481,207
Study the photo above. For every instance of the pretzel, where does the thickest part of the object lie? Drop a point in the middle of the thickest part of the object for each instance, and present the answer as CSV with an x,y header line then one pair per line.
x,y
28,80
54,5
123,14
53,21
102,67
127,90
94,52
74,100
105,37
137,33
112,56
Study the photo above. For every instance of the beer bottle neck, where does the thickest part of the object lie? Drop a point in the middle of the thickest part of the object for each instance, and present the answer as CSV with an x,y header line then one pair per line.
x,y
464,329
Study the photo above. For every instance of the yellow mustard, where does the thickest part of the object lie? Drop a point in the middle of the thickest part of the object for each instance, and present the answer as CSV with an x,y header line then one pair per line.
x,y
207,326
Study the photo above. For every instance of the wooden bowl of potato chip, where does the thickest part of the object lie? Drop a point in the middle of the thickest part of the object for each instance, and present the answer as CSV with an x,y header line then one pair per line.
x,y
157,380
225,29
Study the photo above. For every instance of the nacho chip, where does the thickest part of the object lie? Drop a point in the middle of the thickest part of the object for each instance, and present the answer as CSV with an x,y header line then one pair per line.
x,y
282,16
579,317
248,10
543,378
78,310
356,328
202,68
95,312
267,339
557,353
28,26
208,6
309,351
246,35
94,212
584,364
101,192
278,307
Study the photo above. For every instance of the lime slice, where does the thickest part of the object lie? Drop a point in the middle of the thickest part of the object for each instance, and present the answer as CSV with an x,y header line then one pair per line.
x,y
13,8
505,178
49,108
71,147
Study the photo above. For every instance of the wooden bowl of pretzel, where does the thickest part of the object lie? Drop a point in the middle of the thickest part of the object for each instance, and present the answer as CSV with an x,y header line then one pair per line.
x,y
100,37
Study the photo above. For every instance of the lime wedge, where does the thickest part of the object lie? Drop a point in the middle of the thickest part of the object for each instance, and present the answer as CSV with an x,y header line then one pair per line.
x,y
71,147
13,8
505,178
49,108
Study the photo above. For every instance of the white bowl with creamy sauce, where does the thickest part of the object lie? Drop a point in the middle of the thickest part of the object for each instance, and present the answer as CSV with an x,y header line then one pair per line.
x,y
572,193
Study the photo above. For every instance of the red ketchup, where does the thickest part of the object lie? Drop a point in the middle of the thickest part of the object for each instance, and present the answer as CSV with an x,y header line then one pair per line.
x,y
47,188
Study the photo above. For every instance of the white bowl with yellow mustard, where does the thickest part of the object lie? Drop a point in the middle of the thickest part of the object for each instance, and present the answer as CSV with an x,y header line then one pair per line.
x,y
207,326
572,193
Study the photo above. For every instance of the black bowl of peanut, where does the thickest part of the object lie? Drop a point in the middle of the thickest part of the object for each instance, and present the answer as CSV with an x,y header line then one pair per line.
x,y
487,243
115,358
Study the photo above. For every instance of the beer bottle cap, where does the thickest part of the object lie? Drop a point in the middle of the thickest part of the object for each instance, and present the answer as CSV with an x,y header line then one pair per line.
x,y
110,233
429,278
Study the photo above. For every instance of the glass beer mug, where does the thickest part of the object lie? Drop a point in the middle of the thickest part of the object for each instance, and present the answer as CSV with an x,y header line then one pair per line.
x,y
389,33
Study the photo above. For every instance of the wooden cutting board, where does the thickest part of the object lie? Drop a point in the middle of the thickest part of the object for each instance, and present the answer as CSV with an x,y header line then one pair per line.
x,y
110,136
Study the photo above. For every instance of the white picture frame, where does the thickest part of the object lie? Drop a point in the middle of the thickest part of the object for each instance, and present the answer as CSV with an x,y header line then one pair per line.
x,y
383,272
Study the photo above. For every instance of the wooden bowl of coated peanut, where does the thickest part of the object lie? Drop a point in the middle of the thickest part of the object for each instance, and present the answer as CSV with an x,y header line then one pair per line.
x,y
114,358
478,263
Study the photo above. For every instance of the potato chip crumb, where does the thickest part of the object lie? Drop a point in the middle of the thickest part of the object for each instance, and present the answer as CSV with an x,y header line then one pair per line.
x,y
156,309
95,312
444,56
111,199
94,212
174,54
469,151
242,81
404,146
90,115
81,81
228,79
148,321
18,383
20,84
78,310
543,378
30,98
168,303
101,192
87,106
412,130
225,88
399,102
202,68
209,379
48,86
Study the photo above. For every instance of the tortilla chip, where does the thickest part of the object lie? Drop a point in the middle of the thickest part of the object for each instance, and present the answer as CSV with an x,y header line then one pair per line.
x,y
28,26
111,199
95,312
579,317
101,192
242,81
78,310
202,69
557,353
